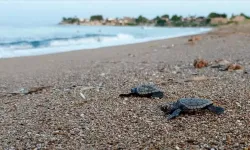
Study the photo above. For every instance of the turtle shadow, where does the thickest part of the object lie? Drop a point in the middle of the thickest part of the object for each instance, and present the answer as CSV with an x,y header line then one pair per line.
x,y
151,95
185,114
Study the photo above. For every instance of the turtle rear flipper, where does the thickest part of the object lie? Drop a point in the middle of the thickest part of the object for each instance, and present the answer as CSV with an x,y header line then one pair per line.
x,y
174,114
157,95
215,109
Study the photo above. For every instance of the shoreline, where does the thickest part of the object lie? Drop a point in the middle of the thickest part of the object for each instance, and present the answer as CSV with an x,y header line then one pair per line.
x,y
105,47
138,42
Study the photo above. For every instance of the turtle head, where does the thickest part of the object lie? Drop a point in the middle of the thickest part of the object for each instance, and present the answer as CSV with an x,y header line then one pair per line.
x,y
167,107
134,90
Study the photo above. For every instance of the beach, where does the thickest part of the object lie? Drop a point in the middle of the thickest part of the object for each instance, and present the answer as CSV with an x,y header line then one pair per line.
x,y
59,117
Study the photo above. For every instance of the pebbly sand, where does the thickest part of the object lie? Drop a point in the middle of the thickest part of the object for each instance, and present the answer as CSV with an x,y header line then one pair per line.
x,y
59,118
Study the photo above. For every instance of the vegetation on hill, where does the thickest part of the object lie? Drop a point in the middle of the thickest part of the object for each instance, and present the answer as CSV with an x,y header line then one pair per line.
x,y
176,18
141,20
70,20
216,15
161,22
213,19
96,18
165,16
247,17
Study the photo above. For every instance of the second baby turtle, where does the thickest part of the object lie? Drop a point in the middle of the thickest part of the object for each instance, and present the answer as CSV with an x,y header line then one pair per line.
x,y
187,104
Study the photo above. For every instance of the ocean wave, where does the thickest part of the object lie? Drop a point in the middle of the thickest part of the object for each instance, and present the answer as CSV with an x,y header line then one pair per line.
x,y
46,46
27,44
36,42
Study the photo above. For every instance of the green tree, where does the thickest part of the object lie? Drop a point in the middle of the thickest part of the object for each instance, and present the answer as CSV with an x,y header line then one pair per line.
x,y
176,18
247,17
178,23
131,24
141,20
215,15
165,16
156,18
161,22
96,18
208,20
224,15
71,20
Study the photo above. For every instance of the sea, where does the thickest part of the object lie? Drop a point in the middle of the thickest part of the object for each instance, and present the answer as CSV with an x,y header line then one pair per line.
x,y
28,40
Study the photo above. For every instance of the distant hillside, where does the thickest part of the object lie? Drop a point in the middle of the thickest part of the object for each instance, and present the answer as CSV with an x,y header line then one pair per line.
x,y
213,19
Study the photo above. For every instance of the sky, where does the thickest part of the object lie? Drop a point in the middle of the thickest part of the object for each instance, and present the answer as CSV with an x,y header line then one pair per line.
x,y
51,11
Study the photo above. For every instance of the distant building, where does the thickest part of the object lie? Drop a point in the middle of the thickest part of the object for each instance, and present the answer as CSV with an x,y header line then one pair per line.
x,y
194,19
95,22
238,19
83,20
110,21
187,19
200,19
121,22
164,18
218,21
128,20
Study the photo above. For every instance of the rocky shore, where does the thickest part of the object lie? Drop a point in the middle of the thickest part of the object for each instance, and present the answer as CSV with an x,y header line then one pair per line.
x,y
79,107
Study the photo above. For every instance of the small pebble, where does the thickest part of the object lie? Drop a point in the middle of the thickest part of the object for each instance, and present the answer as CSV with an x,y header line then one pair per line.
x,y
177,148
238,104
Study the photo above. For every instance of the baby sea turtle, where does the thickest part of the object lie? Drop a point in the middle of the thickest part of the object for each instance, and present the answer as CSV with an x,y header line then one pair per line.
x,y
146,90
187,104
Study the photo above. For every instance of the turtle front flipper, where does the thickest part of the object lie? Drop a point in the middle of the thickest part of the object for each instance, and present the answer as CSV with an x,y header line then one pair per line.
x,y
174,114
215,109
157,95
